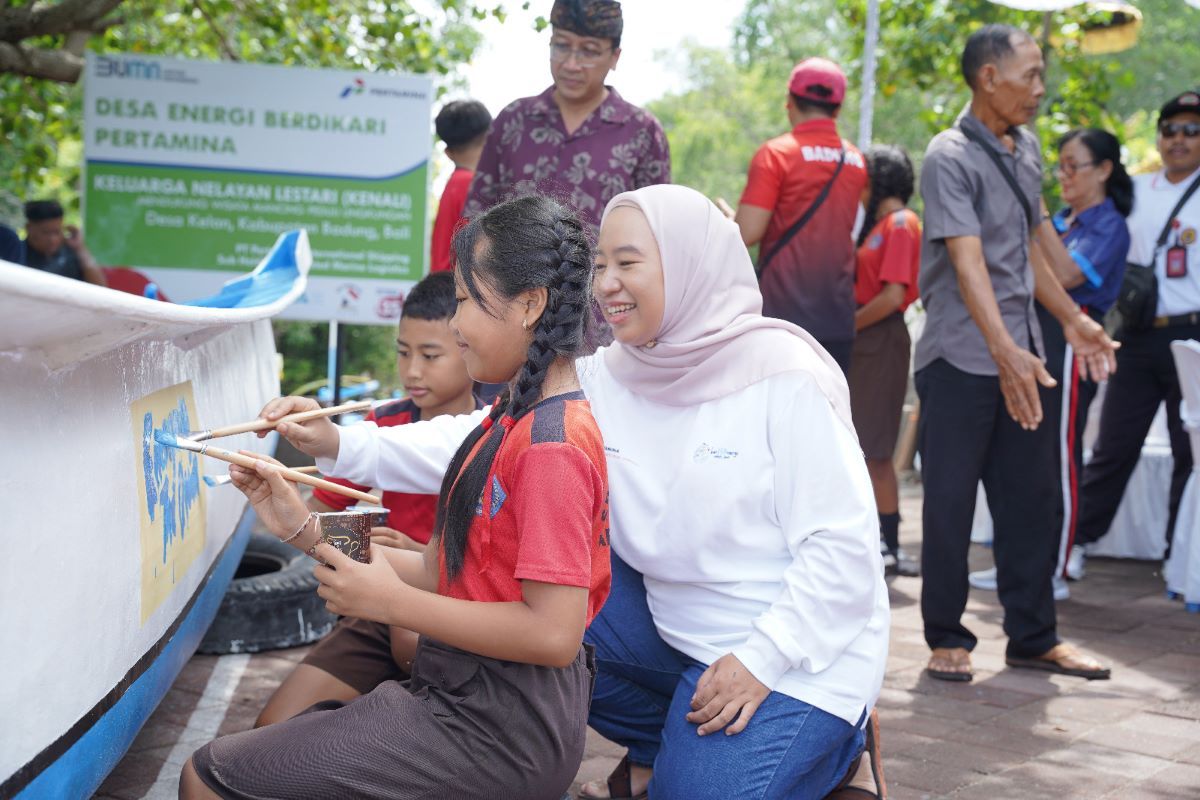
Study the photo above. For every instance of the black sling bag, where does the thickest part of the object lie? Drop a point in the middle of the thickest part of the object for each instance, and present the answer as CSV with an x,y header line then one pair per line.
x,y
791,232
1138,299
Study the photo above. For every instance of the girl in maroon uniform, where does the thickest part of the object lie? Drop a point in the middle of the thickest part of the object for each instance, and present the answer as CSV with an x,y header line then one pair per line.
x,y
498,700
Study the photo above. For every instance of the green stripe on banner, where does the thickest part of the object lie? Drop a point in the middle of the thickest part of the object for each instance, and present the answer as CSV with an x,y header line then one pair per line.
x,y
227,220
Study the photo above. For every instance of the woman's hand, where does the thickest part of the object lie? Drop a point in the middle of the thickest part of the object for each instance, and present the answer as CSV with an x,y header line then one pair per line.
x,y
724,692
390,537
276,502
316,437
353,589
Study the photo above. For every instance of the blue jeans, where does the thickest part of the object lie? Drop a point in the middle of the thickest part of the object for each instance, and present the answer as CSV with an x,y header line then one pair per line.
x,y
643,692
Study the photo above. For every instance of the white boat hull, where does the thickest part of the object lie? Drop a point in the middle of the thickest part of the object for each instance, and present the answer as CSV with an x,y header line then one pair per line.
x,y
94,625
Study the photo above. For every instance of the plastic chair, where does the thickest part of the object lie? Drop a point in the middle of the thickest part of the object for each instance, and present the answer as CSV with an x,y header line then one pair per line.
x,y
1182,570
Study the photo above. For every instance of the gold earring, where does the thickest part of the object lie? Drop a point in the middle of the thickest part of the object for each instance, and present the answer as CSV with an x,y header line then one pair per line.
x,y
524,324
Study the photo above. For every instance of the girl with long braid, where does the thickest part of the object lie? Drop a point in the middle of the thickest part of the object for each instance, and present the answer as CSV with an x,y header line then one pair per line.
x,y
497,704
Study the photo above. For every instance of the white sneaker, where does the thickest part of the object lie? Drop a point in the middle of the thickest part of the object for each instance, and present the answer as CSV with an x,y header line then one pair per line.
x,y
1075,563
984,579
1061,590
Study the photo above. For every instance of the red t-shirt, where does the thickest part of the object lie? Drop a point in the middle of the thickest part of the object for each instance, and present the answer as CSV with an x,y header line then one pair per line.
x,y
891,253
411,514
811,281
543,515
450,209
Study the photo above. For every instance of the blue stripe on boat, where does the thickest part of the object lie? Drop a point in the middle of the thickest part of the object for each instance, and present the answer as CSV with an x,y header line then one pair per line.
x,y
80,771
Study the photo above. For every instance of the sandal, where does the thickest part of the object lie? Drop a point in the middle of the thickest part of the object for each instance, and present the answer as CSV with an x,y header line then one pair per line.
x,y
1063,659
619,785
947,664
864,779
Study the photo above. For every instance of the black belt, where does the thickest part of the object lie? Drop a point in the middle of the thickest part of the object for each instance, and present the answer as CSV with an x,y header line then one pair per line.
x,y
1179,319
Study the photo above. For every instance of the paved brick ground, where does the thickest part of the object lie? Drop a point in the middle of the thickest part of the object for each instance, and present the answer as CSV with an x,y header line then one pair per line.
x,y
1008,734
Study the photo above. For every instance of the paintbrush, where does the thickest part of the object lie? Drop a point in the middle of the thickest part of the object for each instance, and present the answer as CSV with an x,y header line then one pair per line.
x,y
221,480
168,439
266,424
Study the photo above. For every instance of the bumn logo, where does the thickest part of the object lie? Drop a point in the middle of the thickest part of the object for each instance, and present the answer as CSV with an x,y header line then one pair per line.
x,y
127,68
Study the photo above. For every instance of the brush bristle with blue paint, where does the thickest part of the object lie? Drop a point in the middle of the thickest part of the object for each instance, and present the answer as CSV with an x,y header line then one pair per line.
x,y
168,439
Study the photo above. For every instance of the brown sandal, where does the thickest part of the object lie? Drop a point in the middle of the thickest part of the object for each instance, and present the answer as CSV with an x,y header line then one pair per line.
x,y
1063,659
620,784
864,779
945,664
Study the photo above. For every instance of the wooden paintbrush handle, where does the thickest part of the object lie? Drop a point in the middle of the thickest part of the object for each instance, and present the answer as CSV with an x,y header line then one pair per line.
x,y
293,476
303,416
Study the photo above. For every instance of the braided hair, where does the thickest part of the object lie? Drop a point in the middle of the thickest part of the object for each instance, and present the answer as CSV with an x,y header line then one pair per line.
x,y
528,243
891,175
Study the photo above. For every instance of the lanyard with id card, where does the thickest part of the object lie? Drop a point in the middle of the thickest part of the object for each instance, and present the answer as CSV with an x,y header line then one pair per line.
x,y
1176,261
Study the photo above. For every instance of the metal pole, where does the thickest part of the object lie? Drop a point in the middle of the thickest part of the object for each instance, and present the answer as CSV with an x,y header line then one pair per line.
x,y
866,107
333,363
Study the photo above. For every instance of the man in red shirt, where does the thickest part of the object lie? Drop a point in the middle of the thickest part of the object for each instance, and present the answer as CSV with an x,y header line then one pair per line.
x,y
463,125
808,279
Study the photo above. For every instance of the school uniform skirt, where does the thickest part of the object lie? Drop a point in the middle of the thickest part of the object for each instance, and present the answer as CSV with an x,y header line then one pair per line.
x,y
464,726
878,382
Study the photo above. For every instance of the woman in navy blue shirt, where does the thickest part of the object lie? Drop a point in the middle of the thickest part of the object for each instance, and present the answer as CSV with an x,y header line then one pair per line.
x,y
1099,196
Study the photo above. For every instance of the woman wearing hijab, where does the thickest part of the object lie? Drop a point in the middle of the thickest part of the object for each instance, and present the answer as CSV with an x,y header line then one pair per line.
x,y
744,641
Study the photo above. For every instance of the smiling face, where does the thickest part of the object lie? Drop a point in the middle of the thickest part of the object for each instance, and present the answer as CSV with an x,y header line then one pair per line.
x,y
1180,152
629,277
489,333
1014,85
580,64
430,363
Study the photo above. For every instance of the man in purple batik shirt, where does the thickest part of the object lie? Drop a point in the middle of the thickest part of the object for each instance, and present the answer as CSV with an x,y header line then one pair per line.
x,y
578,141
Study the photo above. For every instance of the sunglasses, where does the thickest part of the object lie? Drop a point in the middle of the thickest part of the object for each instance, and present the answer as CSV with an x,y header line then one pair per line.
x,y
1189,129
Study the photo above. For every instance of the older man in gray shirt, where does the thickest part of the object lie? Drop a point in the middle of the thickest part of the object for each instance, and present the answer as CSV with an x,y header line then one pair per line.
x,y
979,367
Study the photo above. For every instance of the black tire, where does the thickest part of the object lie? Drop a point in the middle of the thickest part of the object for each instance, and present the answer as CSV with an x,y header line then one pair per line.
x,y
271,603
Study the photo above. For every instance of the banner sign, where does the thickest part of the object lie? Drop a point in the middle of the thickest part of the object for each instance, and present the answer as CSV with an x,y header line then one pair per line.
x,y
193,169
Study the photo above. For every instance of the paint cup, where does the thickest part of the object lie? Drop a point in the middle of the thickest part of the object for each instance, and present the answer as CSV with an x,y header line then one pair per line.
x,y
348,531
379,514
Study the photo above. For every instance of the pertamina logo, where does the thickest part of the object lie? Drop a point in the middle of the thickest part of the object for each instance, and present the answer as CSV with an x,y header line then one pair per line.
x,y
360,87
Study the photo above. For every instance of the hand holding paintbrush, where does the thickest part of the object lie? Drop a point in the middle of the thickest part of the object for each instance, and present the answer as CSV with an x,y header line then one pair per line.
x,y
265,423
169,439
276,502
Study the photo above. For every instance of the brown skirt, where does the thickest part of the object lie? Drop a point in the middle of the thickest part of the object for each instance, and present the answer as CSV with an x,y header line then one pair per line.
x,y
878,380
357,652
464,726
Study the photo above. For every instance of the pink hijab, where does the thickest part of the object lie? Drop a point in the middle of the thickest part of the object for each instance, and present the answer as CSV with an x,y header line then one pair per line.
x,y
714,340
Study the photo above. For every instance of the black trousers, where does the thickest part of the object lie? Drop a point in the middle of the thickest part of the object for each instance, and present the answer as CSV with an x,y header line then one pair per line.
x,y
965,435
1145,377
1066,414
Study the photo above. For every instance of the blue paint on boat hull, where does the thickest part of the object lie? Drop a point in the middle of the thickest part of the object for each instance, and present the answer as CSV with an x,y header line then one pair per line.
x,y
80,770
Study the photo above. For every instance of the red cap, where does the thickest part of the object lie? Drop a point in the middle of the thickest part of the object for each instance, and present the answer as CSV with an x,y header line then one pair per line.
x,y
818,79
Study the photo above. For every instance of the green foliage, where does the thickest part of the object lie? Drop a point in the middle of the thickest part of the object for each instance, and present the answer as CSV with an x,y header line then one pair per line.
x,y
369,350
734,100
715,127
